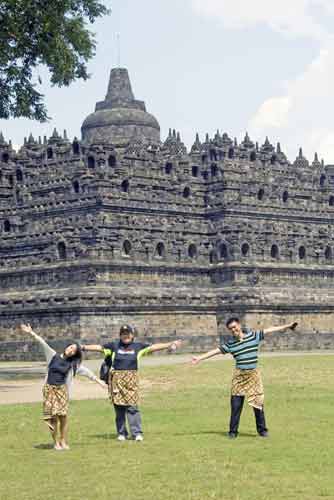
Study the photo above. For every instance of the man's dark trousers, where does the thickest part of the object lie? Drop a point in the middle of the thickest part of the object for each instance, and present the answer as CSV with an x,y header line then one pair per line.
x,y
237,403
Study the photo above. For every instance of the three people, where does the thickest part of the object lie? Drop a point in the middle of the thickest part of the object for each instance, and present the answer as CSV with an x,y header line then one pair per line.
x,y
246,381
123,356
61,369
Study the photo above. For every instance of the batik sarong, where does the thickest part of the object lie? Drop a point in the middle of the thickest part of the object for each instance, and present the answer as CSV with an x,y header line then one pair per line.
x,y
248,383
55,401
124,387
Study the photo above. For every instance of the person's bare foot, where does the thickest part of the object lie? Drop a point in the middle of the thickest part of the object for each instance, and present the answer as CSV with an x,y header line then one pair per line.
x,y
64,446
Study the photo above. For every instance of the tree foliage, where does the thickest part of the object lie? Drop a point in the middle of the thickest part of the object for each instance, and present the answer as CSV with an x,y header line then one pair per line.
x,y
50,33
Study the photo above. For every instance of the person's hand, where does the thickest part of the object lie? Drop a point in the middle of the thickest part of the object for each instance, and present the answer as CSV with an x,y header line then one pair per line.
x,y
26,328
293,325
175,345
195,360
101,383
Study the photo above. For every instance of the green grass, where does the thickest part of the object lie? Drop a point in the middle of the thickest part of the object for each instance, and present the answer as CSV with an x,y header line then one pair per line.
x,y
186,454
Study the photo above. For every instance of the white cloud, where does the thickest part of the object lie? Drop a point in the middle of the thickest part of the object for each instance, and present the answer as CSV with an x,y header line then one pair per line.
x,y
290,17
302,114
326,146
273,112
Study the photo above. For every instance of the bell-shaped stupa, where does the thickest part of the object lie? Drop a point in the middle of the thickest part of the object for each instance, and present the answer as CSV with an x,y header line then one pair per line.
x,y
120,117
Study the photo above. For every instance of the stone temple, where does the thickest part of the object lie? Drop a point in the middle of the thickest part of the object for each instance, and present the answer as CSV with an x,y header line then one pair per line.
x,y
120,227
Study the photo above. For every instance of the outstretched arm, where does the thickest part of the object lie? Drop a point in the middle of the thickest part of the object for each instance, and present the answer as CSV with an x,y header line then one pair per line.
x,y
282,328
92,347
197,359
86,372
162,347
48,351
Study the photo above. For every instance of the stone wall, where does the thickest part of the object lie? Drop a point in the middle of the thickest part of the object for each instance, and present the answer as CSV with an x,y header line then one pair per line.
x,y
199,331
315,329
96,232
57,328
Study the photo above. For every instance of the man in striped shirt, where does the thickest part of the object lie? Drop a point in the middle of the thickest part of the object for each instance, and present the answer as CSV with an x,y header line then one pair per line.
x,y
246,381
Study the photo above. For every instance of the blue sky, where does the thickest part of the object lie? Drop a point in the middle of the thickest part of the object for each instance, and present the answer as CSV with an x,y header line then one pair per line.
x,y
264,66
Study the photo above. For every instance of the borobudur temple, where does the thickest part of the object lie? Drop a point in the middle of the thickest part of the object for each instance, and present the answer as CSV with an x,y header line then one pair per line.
x,y
120,227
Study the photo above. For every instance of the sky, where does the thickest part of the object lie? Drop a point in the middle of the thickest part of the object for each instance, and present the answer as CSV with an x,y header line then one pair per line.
x,y
262,66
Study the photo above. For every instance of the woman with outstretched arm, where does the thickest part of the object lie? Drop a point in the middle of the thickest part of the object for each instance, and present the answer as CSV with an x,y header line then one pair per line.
x,y
123,383
61,369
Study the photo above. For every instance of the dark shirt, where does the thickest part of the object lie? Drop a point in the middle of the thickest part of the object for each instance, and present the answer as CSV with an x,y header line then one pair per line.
x,y
58,370
125,356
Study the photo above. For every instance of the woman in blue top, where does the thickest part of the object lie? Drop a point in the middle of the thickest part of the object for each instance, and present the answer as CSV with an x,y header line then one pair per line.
x,y
246,381
124,355
61,369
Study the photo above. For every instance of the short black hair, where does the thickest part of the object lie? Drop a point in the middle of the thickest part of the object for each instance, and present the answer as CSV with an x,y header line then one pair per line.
x,y
232,320
126,329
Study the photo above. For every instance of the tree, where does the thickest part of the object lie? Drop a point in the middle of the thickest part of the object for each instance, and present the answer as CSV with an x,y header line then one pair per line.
x,y
50,33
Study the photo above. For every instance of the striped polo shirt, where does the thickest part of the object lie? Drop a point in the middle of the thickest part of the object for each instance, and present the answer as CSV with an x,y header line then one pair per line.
x,y
244,351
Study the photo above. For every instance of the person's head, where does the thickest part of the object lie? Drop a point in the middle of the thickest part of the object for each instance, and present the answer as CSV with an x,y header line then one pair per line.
x,y
73,353
126,334
234,326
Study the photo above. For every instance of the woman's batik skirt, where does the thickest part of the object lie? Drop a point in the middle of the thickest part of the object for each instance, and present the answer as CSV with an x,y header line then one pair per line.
x,y
124,387
55,401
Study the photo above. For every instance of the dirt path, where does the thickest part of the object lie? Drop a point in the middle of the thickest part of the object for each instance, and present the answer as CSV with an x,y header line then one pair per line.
x,y
22,382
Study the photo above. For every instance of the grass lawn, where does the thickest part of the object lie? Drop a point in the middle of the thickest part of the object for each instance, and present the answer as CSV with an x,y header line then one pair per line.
x,y
186,454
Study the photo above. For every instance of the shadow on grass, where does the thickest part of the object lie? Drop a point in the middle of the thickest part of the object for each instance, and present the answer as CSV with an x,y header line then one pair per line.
x,y
217,433
247,434
198,433
43,446
103,436
223,434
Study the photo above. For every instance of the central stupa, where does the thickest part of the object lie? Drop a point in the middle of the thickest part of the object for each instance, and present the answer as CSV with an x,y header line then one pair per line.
x,y
120,117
